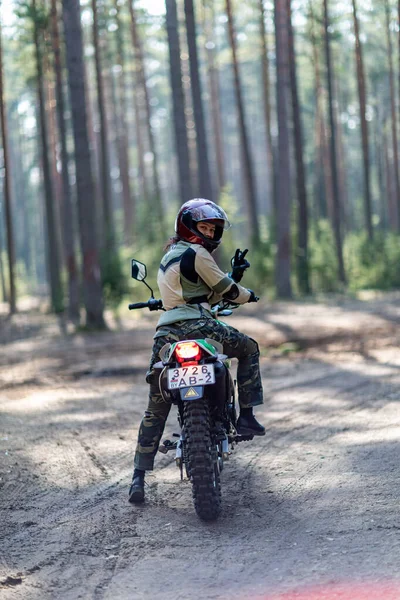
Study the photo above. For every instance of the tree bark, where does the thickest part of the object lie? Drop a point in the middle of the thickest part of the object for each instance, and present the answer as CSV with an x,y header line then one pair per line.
x,y
178,101
302,216
128,193
334,170
108,232
67,207
364,125
266,95
393,115
323,179
4,293
84,179
282,266
204,183
51,221
214,91
12,299
144,100
250,193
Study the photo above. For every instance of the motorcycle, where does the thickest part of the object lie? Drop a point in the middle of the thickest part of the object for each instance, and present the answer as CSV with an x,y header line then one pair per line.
x,y
194,375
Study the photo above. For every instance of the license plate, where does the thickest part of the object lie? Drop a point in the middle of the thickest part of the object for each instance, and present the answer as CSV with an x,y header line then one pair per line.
x,y
190,376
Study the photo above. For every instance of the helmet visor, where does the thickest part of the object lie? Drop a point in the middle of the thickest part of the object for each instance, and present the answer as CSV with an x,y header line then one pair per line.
x,y
208,212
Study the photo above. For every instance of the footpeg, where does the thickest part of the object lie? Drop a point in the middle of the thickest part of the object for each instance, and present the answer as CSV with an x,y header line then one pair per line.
x,y
244,438
166,446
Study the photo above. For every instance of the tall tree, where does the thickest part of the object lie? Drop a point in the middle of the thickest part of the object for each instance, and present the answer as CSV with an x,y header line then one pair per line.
x,y
67,206
204,179
39,19
364,125
214,91
128,191
322,179
84,178
178,101
282,266
302,216
266,95
144,100
108,233
390,193
334,169
248,173
393,114
7,191
4,292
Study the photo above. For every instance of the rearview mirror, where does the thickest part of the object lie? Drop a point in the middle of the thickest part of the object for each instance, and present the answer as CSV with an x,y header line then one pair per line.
x,y
139,270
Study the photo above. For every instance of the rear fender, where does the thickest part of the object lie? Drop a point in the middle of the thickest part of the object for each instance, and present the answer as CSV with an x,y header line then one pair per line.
x,y
192,393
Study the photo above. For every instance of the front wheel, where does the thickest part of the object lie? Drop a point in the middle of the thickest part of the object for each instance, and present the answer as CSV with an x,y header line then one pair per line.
x,y
202,461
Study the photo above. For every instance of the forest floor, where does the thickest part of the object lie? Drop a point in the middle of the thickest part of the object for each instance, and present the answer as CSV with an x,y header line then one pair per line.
x,y
310,511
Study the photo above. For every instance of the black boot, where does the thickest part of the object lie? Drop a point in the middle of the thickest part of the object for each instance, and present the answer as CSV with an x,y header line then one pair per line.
x,y
136,491
247,424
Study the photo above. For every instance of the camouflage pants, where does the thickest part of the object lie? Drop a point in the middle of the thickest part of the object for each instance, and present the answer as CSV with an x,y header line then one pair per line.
x,y
236,345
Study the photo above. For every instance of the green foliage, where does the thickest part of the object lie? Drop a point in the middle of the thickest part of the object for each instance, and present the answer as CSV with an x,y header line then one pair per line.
x,y
150,255
368,265
261,257
322,258
38,15
112,278
372,265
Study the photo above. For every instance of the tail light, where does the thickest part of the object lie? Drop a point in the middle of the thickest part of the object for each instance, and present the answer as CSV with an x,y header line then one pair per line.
x,y
187,351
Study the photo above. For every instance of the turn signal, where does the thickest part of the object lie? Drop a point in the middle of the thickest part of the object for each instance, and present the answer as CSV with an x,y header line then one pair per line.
x,y
187,351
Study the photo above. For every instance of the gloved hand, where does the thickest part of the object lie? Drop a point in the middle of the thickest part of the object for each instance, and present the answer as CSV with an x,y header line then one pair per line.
x,y
253,297
239,265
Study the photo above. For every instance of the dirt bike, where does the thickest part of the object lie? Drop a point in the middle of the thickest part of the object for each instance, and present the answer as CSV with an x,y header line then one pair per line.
x,y
195,376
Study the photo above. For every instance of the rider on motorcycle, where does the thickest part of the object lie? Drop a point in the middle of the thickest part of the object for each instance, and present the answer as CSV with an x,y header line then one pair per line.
x,y
190,281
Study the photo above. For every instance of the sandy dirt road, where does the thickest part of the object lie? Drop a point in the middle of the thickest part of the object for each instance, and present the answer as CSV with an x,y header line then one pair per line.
x,y
313,503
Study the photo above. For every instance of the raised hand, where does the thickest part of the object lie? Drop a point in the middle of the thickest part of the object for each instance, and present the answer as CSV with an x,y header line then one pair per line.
x,y
239,264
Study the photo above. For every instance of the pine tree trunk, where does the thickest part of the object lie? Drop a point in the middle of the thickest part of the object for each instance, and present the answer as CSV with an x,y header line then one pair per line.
x,y
144,100
347,214
4,292
334,170
393,115
7,195
214,91
323,180
67,207
266,95
84,179
380,148
302,218
364,124
250,193
22,191
178,100
108,232
204,184
282,267
390,185
51,221
128,193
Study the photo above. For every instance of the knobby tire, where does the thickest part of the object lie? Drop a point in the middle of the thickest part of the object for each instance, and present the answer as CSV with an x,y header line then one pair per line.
x,y
202,461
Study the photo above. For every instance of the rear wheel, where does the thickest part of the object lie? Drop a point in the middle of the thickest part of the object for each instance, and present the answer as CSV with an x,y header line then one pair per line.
x,y
202,461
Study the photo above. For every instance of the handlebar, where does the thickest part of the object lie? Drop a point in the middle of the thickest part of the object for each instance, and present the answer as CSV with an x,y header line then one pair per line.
x,y
138,305
152,304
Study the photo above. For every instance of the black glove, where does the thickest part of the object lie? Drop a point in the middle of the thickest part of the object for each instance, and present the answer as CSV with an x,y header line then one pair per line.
x,y
239,265
253,297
